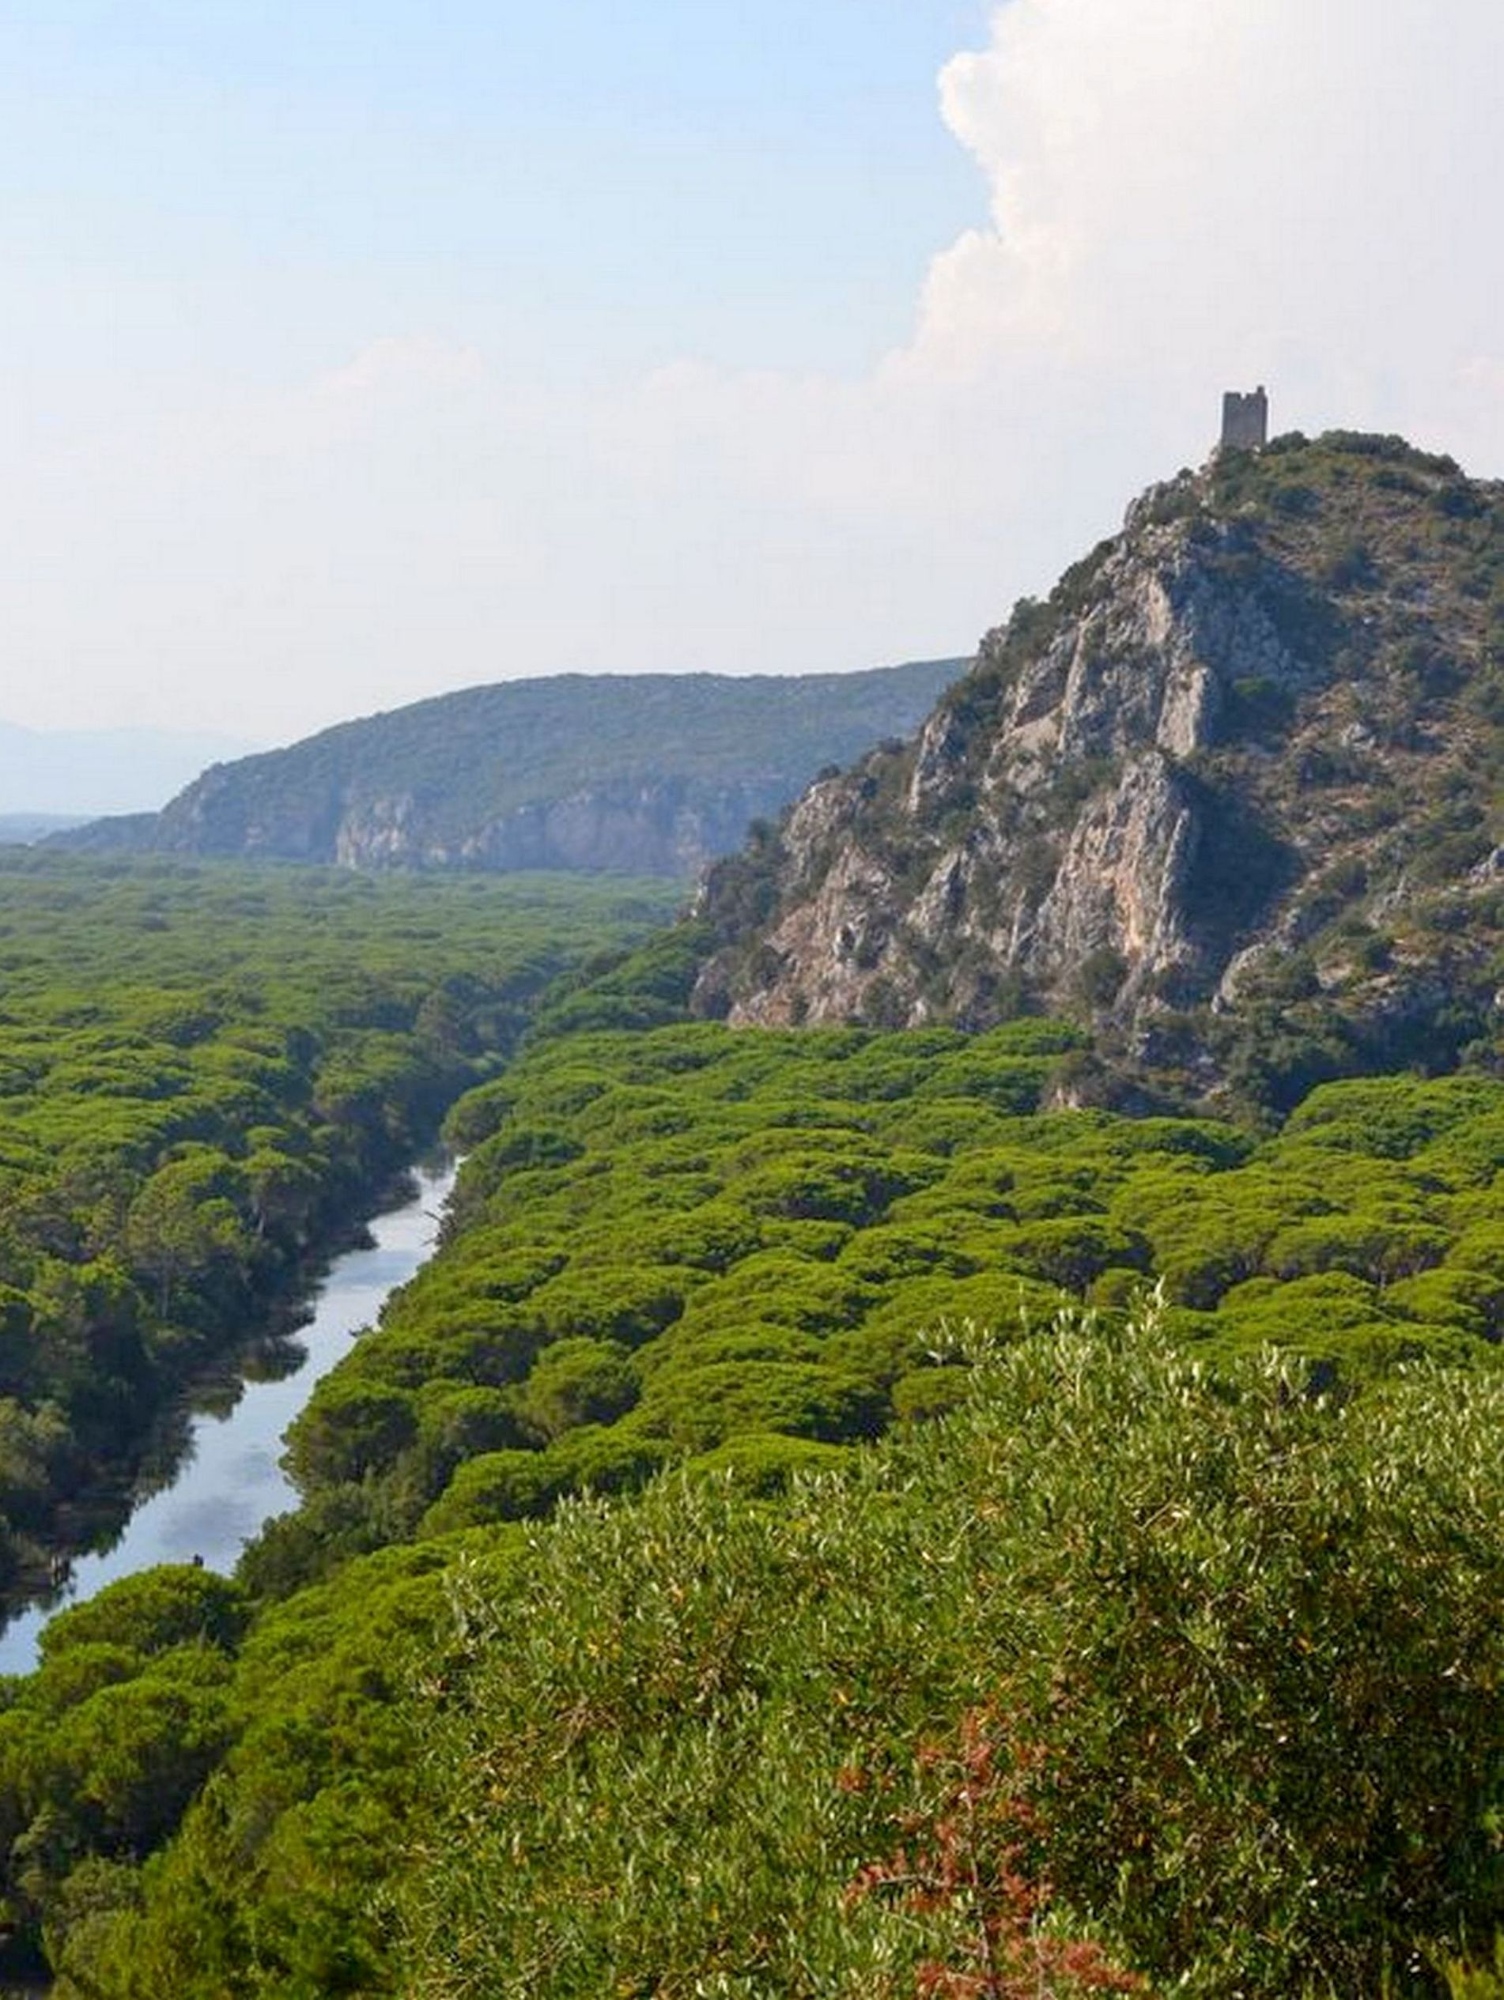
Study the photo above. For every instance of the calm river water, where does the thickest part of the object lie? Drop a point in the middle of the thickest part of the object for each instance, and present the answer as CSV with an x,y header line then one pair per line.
x,y
229,1480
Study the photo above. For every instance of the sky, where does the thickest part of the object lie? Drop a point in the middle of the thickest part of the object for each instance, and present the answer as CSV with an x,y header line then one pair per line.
x,y
353,354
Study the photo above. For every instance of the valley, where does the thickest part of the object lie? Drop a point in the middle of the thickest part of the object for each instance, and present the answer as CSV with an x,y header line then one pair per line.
x,y
212,1476
949,1444
206,1083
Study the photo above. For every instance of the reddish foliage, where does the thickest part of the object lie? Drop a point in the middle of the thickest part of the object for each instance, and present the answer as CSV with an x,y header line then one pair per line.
x,y
978,1852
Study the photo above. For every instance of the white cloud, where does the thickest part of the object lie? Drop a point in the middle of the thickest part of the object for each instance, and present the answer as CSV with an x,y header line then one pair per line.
x,y
1185,196
395,364
1184,190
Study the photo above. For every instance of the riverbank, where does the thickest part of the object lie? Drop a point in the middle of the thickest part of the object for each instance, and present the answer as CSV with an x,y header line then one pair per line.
x,y
227,1478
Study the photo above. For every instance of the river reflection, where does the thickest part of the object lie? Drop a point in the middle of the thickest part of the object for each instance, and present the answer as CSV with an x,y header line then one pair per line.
x,y
228,1480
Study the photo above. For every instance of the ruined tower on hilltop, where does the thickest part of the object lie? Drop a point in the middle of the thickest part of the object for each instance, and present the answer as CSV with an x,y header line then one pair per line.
x,y
1245,420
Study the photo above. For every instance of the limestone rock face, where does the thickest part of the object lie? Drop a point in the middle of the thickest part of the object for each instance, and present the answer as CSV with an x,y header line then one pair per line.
x,y
1216,750
658,827
1124,879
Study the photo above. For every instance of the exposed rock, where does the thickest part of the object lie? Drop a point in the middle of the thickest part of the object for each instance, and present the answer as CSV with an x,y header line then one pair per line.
x,y
1124,880
1262,725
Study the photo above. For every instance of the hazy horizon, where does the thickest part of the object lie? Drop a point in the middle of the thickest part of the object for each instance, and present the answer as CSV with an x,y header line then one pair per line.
x,y
349,362
98,773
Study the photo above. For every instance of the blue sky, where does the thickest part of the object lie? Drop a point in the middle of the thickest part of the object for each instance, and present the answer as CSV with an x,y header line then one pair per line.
x,y
257,186
347,355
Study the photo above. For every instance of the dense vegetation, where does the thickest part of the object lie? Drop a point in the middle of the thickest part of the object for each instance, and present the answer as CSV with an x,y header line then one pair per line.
x,y
689,1239
1204,1643
1128,1675
1087,1663
204,1077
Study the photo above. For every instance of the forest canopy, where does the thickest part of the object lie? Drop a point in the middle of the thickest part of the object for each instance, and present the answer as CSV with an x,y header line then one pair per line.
x,y
204,1075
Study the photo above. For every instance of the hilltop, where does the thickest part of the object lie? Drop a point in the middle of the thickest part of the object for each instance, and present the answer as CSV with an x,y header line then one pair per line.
x,y
645,774
1229,795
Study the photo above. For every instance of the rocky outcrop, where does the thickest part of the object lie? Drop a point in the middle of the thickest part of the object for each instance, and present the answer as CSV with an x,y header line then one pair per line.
x,y
1253,730
649,774
654,827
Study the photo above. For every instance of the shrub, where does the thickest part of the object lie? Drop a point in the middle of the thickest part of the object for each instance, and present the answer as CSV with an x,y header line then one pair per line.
x,y
1210,1666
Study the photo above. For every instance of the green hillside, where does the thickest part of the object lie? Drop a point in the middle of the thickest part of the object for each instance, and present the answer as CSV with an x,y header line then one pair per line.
x,y
644,773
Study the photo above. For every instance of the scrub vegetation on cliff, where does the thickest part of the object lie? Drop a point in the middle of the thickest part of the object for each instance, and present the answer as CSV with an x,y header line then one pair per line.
x,y
638,774
1230,795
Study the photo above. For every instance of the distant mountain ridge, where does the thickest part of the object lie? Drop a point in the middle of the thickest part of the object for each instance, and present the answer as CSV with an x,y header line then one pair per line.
x,y
1231,795
72,774
22,828
649,774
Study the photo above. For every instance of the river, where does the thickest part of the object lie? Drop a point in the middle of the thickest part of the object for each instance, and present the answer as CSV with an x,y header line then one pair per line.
x,y
229,1479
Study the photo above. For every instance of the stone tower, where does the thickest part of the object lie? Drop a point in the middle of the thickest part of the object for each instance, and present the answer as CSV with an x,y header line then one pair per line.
x,y
1245,420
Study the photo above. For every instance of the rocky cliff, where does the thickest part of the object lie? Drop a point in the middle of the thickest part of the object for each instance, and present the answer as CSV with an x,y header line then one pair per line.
x,y
647,774
1233,792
